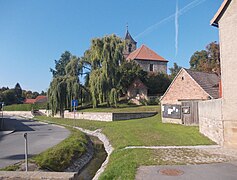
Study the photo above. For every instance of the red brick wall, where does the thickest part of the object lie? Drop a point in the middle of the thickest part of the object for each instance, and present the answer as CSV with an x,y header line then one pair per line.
x,y
185,88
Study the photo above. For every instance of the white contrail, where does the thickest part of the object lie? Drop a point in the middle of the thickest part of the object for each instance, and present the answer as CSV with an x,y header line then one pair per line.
x,y
180,12
176,28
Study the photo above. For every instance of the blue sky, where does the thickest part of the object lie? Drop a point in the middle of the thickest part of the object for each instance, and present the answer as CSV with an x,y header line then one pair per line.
x,y
34,33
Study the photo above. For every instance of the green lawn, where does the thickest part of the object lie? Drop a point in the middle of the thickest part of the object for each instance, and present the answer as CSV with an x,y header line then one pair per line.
x,y
147,131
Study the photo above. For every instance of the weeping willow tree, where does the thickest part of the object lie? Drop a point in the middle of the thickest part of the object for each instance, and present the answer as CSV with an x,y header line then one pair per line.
x,y
105,56
65,84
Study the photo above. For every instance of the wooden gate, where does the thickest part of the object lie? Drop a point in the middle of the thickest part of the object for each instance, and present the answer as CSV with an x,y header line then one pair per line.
x,y
190,113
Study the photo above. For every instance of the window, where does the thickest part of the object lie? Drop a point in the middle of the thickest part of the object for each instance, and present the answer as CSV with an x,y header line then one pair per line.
x,y
151,67
137,91
129,48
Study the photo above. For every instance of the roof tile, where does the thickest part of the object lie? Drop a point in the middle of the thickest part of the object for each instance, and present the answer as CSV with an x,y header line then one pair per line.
x,y
145,53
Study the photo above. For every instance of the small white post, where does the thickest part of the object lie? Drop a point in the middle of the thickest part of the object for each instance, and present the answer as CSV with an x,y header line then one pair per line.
x,y
26,151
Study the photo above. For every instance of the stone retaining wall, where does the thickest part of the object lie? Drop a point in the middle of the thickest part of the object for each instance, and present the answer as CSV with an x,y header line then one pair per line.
x,y
126,116
26,114
104,116
210,120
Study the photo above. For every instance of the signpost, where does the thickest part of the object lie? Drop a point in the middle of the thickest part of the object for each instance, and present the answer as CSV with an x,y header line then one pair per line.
x,y
26,151
74,105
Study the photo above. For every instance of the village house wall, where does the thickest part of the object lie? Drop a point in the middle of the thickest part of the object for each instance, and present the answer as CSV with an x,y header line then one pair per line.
x,y
228,51
184,88
158,66
210,120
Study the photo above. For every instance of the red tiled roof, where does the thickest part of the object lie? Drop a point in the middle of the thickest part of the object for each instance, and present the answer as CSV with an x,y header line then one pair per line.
x,y
29,101
145,53
41,99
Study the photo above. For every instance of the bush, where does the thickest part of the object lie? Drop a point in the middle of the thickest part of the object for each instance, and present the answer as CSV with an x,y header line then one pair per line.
x,y
153,101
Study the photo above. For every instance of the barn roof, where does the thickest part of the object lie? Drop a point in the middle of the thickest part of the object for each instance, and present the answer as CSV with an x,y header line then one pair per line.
x,y
145,53
208,81
220,12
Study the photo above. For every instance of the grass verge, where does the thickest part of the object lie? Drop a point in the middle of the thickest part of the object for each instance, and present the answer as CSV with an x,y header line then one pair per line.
x,y
60,156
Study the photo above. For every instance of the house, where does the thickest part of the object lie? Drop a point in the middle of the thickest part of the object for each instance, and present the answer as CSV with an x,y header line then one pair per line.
x,y
137,91
29,101
41,99
219,118
187,88
38,99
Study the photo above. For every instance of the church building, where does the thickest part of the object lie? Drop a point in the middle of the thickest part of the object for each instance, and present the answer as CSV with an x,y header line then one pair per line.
x,y
148,60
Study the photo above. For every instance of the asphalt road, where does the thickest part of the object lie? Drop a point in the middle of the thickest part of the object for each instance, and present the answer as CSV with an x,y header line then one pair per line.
x,y
41,136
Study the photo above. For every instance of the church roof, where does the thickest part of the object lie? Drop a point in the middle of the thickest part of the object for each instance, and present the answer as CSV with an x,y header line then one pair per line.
x,y
145,53
129,37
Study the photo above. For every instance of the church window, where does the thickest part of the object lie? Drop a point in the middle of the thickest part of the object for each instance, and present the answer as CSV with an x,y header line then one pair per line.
x,y
137,92
129,48
151,67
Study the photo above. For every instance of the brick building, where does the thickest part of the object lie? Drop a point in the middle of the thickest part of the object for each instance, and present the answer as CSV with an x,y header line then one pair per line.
x,y
188,85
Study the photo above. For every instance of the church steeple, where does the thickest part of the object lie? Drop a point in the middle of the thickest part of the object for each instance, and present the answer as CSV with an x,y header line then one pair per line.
x,y
131,44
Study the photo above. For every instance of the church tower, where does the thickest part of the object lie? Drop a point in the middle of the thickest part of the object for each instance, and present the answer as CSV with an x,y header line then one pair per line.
x,y
131,44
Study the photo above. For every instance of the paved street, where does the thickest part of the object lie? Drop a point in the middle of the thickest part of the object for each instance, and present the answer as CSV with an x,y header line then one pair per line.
x,y
219,171
41,136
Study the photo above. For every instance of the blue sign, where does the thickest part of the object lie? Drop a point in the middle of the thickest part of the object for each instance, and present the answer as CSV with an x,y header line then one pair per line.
x,y
74,103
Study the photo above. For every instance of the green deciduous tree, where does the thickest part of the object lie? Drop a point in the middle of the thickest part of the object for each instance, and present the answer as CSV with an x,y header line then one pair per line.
x,y
129,71
157,83
207,60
